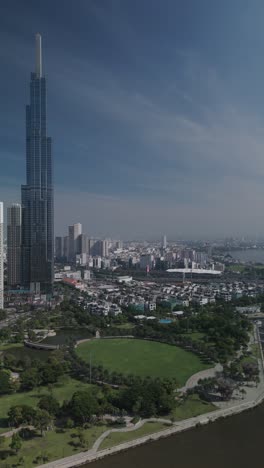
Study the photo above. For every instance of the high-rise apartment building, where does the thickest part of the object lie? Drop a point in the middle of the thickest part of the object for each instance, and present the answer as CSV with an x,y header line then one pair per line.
x,y
65,247
74,232
104,248
99,247
164,242
37,195
58,248
14,245
83,244
1,255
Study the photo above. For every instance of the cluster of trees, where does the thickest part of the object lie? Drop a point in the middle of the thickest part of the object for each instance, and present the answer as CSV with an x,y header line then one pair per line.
x,y
34,373
25,415
43,373
144,399
86,406
225,332
6,383
242,370
215,388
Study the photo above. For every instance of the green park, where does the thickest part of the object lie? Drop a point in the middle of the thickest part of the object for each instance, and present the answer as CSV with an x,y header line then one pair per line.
x,y
142,358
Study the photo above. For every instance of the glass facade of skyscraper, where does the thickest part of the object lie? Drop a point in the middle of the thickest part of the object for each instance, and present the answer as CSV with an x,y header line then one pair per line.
x,y
37,249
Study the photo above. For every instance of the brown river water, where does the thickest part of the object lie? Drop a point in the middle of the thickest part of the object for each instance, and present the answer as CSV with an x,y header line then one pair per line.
x,y
234,442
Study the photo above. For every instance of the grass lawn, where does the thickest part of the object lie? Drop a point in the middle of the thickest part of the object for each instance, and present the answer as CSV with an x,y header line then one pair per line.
x,y
5,347
195,336
191,407
55,445
239,268
255,350
126,326
117,438
142,358
63,390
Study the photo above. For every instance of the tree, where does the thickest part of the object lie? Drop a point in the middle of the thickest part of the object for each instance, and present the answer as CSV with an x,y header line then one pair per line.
x,y
21,414
43,420
81,436
30,379
83,405
16,442
15,416
50,404
69,423
5,382
10,361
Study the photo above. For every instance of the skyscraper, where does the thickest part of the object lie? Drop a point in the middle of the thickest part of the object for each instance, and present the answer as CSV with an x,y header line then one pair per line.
x,y
164,242
1,255
74,232
58,247
83,244
37,195
65,249
13,245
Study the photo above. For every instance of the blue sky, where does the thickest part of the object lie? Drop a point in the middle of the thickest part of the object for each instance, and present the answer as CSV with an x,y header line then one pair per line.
x,y
155,108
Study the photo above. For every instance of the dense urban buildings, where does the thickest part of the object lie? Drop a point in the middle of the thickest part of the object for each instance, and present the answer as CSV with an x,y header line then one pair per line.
x,y
37,195
1,255
14,245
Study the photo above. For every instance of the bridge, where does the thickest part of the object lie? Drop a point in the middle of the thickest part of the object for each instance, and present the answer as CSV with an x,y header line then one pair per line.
x,y
47,347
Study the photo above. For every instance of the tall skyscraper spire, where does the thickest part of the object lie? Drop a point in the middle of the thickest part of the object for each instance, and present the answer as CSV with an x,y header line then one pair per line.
x,y
37,247
38,56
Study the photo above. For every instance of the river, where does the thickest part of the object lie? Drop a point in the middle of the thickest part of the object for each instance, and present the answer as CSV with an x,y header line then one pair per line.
x,y
250,255
235,442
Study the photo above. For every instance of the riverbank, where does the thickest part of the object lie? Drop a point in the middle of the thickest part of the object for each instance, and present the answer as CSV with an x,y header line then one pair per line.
x,y
93,454
177,427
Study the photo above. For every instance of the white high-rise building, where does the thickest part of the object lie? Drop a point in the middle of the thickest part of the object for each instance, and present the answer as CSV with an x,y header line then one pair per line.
x,y
1,255
164,242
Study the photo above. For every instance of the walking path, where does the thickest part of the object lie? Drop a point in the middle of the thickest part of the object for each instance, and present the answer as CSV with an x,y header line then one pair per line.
x,y
204,374
13,431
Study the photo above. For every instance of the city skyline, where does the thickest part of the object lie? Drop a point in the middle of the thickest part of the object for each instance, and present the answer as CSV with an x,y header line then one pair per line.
x,y
154,124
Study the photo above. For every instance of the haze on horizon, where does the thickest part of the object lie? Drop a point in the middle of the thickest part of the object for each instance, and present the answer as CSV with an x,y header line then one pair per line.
x,y
155,109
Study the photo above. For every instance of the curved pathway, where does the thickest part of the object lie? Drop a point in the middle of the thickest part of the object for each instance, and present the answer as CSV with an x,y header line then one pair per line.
x,y
204,374
139,424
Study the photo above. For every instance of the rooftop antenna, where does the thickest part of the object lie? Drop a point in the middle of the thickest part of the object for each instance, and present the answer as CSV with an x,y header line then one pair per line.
x,y
38,63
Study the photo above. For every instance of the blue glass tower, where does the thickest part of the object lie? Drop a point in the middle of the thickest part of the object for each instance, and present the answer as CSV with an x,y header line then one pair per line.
x,y
37,249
